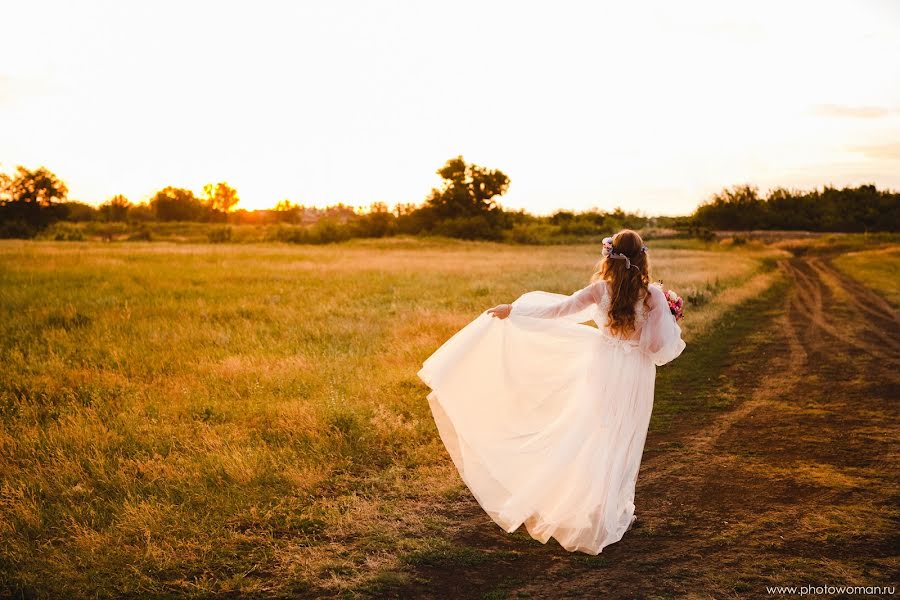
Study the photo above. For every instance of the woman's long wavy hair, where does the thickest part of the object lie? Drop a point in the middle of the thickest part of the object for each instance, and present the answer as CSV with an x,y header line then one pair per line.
x,y
625,285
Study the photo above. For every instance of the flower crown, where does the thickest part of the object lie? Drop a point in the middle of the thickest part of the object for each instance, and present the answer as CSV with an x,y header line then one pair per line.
x,y
610,252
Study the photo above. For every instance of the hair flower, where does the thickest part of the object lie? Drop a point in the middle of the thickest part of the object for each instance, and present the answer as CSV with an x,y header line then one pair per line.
x,y
610,252
607,246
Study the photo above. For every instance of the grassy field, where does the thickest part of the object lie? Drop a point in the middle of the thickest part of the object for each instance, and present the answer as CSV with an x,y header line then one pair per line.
x,y
878,269
198,419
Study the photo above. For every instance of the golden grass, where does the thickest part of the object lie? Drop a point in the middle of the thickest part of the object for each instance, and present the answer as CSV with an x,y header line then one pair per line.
x,y
878,269
199,419
819,474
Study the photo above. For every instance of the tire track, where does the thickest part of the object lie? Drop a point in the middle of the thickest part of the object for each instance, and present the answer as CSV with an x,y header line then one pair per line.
x,y
882,320
781,381
806,307
799,328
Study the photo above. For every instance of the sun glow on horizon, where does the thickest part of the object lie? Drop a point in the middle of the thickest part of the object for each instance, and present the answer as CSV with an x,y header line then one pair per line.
x,y
583,104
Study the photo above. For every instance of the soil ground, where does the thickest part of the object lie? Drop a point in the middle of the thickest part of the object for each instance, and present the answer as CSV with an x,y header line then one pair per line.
x,y
793,483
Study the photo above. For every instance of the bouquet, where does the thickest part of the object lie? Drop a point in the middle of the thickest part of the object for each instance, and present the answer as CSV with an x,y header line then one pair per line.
x,y
676,302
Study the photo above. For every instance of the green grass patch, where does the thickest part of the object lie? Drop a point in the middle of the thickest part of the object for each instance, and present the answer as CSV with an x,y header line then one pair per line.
x,y
446,555
695,383
877,269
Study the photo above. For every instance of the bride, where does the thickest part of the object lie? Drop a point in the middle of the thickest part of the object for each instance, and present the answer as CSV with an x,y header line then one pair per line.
x,y
545,418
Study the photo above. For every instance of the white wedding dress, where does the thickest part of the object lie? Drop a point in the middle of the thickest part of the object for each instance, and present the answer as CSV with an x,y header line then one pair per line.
x,y
545,418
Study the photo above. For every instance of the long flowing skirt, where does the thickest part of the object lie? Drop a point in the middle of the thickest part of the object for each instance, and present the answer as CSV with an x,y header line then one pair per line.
x,y
546,422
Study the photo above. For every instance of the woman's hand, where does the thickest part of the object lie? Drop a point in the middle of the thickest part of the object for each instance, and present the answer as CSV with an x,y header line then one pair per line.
x,y
501,311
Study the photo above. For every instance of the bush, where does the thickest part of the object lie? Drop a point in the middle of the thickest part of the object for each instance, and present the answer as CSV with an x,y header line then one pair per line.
x,y
324,231
580,226
141,234
524,234
697,297
478,227
68,234
702,233
62,232
18,229
140,213
219,235
106,231
376,224
78,211
532,233
289,234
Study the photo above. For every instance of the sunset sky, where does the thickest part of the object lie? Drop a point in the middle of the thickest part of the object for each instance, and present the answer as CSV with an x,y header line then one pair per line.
x,y
650,107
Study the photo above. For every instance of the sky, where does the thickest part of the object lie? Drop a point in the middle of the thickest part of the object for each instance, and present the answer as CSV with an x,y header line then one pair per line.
x,y
650,106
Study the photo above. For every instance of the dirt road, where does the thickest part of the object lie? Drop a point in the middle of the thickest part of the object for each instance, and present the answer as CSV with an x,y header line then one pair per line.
x,y
794,484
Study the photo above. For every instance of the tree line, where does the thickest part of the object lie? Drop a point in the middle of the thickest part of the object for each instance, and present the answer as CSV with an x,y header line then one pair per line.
x,y
850,209
464,206
31,200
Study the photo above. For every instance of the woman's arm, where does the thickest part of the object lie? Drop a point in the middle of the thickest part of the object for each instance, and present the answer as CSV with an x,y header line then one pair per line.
x,y
661,335
590,294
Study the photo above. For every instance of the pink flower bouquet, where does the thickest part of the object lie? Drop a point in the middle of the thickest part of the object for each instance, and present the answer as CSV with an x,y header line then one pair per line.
x,y
676,304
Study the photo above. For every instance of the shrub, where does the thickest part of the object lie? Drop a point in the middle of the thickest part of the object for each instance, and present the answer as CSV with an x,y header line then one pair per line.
x,y
532,233
324,231
69,235
376,224
62,232
219,235
478,227
17,228
580,227
141,234
702,233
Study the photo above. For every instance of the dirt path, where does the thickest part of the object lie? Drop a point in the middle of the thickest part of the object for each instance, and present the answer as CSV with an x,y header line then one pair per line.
x,y
794,485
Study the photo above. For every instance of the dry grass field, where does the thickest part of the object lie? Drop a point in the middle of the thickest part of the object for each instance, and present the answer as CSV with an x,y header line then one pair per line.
x,y
199,420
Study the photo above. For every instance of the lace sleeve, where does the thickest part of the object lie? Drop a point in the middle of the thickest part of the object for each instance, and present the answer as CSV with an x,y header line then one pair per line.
x,y
661,335
555,306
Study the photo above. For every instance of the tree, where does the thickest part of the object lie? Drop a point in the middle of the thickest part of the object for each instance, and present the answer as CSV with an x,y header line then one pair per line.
x,y
468,190
739,207
562,216
220,197
39,187
142,213
29,201
116,208
340,212
378,222
77,212
287,212
176,204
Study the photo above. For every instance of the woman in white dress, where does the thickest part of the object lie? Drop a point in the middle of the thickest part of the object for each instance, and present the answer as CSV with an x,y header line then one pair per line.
x,y
545,418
